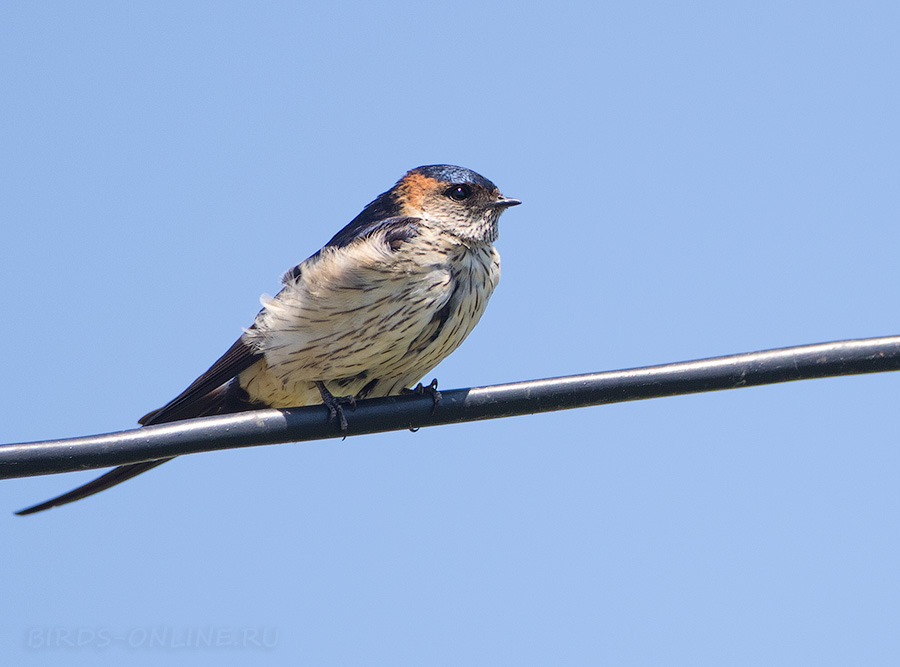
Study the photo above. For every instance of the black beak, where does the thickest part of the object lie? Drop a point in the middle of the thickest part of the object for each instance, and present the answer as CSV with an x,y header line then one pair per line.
x,y
504,202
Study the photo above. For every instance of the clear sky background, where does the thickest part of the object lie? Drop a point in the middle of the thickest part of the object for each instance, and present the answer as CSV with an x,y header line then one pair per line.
x,y
698,178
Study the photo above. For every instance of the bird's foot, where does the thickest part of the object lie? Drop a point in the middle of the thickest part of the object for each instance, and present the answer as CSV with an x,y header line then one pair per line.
x,y
431,389
335,405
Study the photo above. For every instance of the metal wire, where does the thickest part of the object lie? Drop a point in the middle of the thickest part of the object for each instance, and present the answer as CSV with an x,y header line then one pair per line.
x,y
265,427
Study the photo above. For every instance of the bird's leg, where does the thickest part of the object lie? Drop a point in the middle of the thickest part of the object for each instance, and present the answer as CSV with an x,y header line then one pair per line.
x,y
335,405
431,389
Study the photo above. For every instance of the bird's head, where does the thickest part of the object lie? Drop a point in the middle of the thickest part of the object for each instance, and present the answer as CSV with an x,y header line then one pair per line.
x,y
459,201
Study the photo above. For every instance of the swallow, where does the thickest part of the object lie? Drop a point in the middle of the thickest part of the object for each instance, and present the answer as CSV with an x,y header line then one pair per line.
x,y
377,308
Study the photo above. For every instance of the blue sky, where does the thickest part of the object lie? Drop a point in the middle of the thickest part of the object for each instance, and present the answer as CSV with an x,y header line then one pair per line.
x,y
698,179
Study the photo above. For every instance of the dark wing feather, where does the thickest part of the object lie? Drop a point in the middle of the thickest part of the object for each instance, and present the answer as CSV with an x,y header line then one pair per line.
x,y
397,229
385,207
360,229
211,393
192,401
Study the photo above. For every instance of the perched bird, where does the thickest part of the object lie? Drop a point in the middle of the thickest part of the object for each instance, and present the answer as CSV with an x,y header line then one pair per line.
x,y
386,299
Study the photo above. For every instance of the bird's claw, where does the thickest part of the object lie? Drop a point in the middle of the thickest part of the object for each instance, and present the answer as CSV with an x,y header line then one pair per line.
x,y
431,389
335,405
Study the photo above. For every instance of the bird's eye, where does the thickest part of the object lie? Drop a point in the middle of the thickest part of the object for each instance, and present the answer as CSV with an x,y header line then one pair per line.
x,y
459,192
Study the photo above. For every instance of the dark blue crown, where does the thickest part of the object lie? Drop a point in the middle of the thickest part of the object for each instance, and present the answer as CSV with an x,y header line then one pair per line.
x,y
447,173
